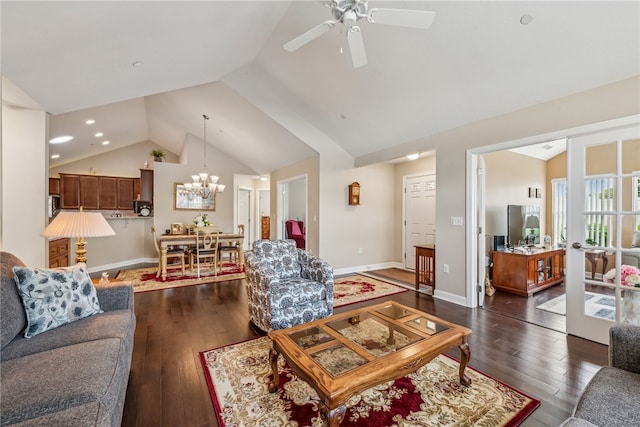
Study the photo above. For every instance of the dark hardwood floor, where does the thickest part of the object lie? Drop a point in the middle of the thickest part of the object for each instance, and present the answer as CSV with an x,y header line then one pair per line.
x,y
167,386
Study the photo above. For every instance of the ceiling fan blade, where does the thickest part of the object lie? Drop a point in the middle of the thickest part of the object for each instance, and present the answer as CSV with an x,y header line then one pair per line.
x,y
403,18
310,35
356,47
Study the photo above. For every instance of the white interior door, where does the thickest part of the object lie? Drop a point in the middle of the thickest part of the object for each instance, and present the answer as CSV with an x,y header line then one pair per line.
x,y
602,215
420,215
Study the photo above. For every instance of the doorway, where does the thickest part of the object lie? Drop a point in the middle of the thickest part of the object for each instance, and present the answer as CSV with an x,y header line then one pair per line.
x,y
476,223
420,215
292,205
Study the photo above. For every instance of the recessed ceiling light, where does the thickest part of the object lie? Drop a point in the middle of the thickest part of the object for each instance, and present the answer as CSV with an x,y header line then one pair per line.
x,y
55,156
99,134
413,156
263,178
106,142
60,139
526,19
90,121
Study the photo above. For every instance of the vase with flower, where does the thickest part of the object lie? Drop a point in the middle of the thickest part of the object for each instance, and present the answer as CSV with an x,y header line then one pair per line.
x,y
201,220
630,305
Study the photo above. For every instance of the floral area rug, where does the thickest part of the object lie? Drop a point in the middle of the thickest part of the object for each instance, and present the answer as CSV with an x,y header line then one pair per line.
x,y
144,279
238,377
353,289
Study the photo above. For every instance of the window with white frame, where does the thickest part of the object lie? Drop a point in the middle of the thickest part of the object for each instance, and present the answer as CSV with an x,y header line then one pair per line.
x,y
598,208
559,209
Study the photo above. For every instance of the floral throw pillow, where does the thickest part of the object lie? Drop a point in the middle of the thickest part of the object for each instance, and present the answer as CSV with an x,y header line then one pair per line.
x,y
55,297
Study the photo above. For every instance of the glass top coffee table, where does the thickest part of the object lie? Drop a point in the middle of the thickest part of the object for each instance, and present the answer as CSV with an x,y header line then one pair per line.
x,y
345,354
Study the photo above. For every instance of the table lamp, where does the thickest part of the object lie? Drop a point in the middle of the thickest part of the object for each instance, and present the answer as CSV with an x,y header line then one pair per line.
x,y
79,224
531,223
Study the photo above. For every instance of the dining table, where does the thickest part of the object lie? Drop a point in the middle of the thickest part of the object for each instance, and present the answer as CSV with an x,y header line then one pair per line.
x,y
167,240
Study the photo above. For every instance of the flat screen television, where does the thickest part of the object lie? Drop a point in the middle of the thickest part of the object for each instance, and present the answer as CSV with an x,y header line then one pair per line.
x,y
523,225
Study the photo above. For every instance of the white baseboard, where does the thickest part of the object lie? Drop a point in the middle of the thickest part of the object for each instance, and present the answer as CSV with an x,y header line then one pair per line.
x,y
356,269
95,269
446,296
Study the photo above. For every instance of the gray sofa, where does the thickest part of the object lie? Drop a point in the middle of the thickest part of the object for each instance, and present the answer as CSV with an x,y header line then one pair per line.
x,y
612,396
73,375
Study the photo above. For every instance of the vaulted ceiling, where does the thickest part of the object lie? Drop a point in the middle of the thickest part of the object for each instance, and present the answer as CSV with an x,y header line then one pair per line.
x,y
149,70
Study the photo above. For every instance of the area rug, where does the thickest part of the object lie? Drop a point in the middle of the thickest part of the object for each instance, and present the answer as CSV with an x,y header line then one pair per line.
x,y
144,279
353,289
596,305
238,377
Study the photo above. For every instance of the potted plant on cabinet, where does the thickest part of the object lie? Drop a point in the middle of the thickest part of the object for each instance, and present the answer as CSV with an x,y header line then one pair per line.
x,y
157,155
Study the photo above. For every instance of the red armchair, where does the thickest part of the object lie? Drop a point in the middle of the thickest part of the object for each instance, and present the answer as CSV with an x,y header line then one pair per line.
x,y
295,231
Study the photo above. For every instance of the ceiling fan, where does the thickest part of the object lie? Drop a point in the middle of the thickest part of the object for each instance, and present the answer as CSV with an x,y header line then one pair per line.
x,y
348,12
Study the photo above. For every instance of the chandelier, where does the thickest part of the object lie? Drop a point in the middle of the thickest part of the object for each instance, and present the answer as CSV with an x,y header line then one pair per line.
x,y
202,184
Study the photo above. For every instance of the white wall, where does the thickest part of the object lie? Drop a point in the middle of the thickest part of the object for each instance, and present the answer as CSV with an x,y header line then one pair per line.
x,y
126,161
24,186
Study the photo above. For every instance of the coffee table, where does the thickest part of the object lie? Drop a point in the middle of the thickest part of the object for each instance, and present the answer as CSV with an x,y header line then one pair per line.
x,y
345,354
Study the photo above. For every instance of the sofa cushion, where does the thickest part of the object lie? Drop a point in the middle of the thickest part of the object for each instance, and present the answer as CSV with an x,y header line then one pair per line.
x,y
610,399
635,242
55,297
110,324
64,378
13,319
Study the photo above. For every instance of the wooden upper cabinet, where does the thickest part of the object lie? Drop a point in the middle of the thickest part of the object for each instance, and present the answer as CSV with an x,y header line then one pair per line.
x,y
69,191
146,185
125,193
136,188
89,191
54,185
97,192
107,192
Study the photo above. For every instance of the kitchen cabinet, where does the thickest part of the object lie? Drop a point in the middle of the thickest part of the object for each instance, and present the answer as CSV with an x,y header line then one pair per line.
x,y
54,186
108,192
69,191
97,192
89,191
146,185
125,193
525,273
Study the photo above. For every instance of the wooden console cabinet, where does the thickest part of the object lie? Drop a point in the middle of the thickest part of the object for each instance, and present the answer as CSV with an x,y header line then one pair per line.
x,y
524,274
58,253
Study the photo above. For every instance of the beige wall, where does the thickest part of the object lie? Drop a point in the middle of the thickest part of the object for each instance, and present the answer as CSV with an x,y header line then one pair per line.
x,y
508,177
23,184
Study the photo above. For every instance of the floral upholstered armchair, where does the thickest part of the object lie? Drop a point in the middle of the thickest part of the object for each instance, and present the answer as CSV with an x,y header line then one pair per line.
x,y
286,286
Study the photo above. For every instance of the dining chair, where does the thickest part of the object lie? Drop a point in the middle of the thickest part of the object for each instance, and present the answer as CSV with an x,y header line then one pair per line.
x,y
206,248
232,248
172,252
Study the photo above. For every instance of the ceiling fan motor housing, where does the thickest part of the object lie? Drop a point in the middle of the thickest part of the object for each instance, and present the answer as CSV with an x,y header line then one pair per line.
x,y
340,8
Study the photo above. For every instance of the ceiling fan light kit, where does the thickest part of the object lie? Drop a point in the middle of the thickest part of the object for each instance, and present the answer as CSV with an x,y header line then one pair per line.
x,y
348,12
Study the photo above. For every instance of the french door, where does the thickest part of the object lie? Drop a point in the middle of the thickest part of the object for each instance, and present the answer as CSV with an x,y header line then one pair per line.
x,y
602,215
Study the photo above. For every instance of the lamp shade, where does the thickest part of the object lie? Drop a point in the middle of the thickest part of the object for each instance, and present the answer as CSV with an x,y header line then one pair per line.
x,y
532,222
78,224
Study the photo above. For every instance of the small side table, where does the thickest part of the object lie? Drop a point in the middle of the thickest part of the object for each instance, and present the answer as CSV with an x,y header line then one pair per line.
x,y
593,257
426,266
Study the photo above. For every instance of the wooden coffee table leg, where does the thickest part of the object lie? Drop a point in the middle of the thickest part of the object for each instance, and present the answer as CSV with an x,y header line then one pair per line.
x,y
465,355
333,416
273,360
